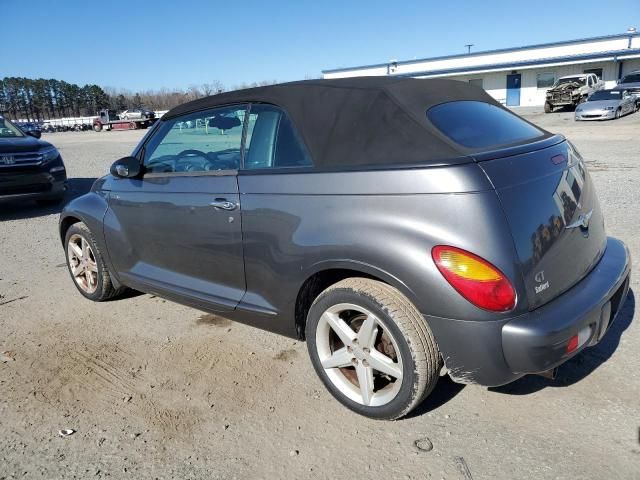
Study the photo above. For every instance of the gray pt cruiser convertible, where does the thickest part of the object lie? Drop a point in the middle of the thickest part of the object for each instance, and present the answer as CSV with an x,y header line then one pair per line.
x,y
405,228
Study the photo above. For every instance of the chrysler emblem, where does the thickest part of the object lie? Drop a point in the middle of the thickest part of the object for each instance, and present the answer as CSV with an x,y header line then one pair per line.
x,y
582,222
7,160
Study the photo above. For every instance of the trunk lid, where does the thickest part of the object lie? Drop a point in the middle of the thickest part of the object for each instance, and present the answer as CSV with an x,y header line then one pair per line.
x,y
554,216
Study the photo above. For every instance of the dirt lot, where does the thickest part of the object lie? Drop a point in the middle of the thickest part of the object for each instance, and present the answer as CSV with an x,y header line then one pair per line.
x,y
157,390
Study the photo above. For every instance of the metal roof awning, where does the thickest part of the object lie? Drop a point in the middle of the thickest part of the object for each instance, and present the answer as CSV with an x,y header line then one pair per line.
x,y
617,55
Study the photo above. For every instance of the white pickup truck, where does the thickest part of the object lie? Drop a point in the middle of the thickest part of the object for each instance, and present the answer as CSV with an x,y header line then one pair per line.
x,y
572,90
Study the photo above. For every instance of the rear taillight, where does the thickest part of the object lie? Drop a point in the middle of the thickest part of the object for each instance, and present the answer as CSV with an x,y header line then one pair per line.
x,y
474,278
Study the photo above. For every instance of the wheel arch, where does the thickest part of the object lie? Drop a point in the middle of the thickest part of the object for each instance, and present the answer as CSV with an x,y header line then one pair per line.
x,y
324,274
65,224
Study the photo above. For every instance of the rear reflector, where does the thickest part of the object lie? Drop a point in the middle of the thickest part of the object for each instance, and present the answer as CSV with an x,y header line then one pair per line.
x,y
474,278
578,340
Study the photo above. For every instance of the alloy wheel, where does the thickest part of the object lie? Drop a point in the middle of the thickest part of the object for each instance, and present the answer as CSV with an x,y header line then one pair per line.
x,y
359,354
82,263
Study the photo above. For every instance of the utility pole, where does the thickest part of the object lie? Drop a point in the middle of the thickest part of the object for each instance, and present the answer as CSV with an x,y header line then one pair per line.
x,y
469,45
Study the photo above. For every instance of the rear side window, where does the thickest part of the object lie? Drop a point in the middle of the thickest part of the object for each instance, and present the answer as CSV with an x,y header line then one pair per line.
x,y
272,141
480,125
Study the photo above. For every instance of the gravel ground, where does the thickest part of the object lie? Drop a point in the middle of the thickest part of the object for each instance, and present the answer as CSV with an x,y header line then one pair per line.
x,y
157,390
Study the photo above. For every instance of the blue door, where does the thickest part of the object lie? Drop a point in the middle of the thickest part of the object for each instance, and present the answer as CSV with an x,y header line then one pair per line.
x,y
513,90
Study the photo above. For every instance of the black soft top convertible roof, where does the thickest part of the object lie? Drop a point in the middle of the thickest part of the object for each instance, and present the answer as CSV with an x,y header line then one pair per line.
x,y
360,121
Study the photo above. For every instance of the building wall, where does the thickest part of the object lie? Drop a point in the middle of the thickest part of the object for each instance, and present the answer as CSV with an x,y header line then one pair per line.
x,y
530,95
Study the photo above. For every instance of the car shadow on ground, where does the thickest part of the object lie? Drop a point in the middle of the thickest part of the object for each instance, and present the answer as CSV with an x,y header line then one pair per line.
x,y
582,364
445,390
23,209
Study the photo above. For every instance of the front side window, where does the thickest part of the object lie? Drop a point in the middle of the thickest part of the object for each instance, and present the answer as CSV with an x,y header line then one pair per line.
x,y
272,141
199,142
545,80
474,124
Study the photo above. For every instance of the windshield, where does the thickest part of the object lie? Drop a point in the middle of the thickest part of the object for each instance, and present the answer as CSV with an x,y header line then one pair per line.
x,y
581,81
605,95
632,78
8,129
480,125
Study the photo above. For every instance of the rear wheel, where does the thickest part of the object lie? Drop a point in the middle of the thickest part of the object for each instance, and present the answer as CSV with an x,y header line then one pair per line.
x,y
548,108
371,348
97,127
86,265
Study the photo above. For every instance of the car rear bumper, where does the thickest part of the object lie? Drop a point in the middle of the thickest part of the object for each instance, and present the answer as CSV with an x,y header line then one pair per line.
x,y
494,353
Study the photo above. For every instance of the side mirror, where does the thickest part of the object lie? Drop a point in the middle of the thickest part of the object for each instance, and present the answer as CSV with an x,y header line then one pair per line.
x,y
127,167
34,133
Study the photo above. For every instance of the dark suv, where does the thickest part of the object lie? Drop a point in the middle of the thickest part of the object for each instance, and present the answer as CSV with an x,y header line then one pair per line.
x,y
405,228
30,169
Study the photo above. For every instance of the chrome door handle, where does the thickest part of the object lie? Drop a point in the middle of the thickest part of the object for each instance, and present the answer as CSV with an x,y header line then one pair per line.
x,y
223,204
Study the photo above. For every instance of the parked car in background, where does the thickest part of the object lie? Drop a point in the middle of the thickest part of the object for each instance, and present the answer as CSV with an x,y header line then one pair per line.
x,y
30,128
631,83
30,169
571,90
136,113
429,230
607,105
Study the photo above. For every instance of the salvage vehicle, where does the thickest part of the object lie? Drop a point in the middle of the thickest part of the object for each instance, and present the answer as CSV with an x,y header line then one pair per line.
x,y
137,113
571,90
406,228
606,105
30,168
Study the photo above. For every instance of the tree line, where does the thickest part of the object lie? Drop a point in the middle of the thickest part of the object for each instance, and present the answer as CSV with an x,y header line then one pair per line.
x,y
42,99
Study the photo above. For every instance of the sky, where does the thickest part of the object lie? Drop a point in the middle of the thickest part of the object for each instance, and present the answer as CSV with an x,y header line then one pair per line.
x,y
140,45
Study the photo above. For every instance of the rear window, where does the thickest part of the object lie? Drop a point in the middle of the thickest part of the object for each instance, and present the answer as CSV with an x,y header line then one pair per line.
x,y
479,125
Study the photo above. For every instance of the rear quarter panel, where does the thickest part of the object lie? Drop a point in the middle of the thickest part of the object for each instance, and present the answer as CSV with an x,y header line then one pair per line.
x,y
383,223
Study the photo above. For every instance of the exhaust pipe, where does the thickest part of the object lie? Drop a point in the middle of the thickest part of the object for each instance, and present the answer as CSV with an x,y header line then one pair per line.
x,y
550,374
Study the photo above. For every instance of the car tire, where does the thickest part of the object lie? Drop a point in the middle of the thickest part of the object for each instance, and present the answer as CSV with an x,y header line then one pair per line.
x,y
618,114
401,343
548,108
95,282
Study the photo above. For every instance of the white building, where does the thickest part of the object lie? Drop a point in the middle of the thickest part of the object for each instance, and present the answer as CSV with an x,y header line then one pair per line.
x,y
521,75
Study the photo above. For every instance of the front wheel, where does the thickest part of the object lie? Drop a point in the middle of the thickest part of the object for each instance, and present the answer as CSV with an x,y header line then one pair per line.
x,y
372,348
618,113
548,108
86,265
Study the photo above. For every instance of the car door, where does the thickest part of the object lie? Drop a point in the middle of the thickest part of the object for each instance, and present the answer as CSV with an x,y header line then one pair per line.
x,y
176,230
